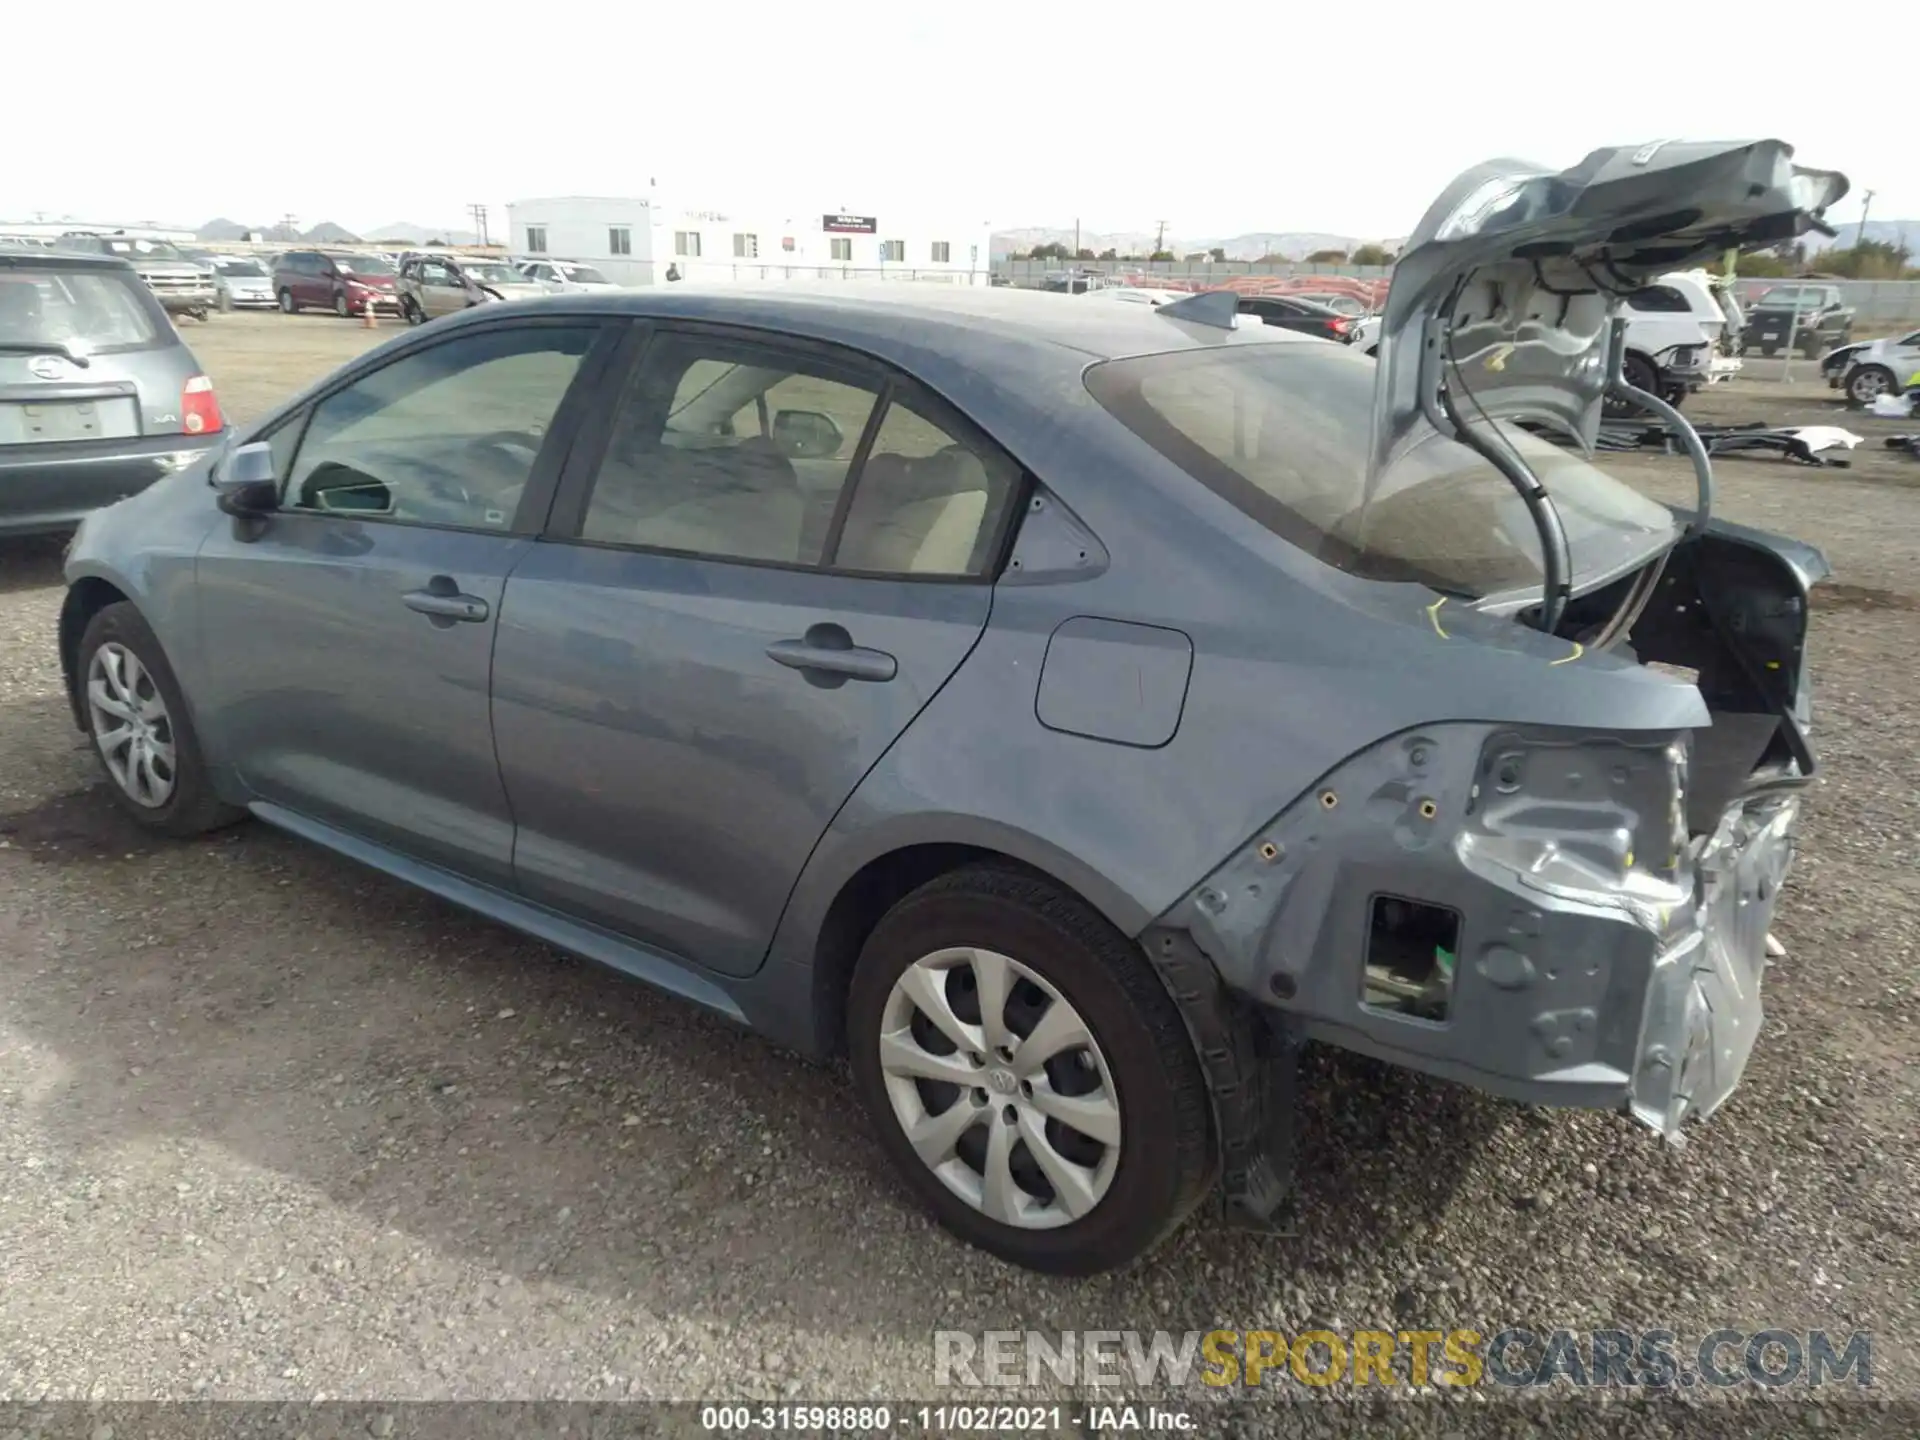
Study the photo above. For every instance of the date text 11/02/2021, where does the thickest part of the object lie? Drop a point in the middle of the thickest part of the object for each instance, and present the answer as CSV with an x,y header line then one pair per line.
x,y
945,1419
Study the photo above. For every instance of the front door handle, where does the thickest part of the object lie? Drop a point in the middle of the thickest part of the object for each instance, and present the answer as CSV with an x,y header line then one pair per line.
x,y
443,603
827,656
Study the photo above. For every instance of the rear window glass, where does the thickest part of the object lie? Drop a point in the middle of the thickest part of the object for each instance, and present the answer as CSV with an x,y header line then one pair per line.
x,y
1283,432
102,311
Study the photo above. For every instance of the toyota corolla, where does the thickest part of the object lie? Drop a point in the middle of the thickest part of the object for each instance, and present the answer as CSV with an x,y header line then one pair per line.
x,y
1064,711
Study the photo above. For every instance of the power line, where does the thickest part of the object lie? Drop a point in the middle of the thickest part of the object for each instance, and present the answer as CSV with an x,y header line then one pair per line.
x,y
479,214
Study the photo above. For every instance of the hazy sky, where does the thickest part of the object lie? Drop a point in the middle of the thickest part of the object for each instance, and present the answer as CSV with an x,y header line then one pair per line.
x,y
1218,119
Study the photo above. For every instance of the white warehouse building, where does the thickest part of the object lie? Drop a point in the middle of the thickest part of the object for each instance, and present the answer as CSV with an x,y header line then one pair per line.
x,y
635,241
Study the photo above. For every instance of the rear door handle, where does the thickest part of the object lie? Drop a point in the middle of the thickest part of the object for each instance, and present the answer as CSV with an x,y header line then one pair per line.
x,y
826,655
443,602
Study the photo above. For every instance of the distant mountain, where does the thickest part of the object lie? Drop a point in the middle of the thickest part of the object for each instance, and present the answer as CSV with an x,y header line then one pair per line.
x,y
1887,232
1295,245
222,229
328,233
412,234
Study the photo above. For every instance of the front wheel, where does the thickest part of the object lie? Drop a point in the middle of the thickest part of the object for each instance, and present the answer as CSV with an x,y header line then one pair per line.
x,y
142,734
341,307
1868,383
1028,1072
411,312
287,307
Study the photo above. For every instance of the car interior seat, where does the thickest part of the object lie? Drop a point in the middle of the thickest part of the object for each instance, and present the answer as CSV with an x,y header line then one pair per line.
x,y
743,501
917,516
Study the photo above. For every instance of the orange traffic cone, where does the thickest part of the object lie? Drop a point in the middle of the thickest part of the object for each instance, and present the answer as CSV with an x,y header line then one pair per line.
x,y
372,321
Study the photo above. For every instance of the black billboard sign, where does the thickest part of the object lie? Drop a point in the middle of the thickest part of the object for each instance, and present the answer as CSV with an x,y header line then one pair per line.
x,y
849,224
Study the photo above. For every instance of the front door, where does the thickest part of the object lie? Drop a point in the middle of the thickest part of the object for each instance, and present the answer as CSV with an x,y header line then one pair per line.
x,y
348,638
728,624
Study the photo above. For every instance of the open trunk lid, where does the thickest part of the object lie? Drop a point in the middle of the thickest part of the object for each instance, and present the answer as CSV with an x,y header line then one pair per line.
x,y
1502,308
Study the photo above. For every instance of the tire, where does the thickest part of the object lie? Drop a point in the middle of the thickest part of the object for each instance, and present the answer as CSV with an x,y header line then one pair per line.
x,y
189,807
287,307
1868,381
340,305
1769,351
1144,1076
1640,373
411,312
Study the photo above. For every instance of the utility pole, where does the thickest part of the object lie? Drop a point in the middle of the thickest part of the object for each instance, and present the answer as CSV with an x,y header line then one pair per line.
x,y
286,223
1866,205
1160,238
1076,237
479,214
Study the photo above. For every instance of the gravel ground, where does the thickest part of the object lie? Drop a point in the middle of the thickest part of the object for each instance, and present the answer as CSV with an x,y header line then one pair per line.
x,y
272,1126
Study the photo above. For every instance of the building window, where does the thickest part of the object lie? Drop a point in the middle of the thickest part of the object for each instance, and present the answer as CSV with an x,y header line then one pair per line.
x,y
942,252
746,247
536,239
893,249
619,240
842,249
686,242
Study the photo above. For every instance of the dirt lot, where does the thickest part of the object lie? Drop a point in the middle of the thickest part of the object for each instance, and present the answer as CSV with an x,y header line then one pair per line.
x,y
271,1126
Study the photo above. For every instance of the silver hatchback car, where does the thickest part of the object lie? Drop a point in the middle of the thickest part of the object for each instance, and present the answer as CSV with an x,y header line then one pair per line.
x,y
1063,710
99,395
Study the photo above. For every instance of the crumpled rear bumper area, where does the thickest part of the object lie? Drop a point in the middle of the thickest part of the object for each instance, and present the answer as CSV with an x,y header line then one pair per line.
x,y
1523,910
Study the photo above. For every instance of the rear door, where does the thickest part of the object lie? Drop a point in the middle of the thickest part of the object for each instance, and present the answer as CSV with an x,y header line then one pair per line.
x,y
708,651
350,635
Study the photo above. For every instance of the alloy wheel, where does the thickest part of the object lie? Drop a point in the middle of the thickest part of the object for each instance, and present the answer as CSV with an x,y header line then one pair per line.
x,y
1868,385
1000,1087
131,726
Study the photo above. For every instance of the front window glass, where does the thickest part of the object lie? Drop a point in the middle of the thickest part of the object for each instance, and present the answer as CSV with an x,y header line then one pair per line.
x,y
1283,432
446,436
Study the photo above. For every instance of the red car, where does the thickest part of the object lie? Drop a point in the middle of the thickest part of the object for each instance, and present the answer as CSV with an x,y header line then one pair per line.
x,y
333,280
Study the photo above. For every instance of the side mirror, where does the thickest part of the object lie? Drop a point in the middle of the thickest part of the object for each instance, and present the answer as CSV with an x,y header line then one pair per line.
x,y
806,434
244,483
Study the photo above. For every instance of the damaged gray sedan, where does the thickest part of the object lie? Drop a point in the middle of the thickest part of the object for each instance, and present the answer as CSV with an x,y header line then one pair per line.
x,y
1062,711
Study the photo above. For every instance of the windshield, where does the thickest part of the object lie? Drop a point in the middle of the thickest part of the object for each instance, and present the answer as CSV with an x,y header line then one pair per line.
x,y
582,274
491,273
361,265
241,269
1283,432
142,249
54,307
1778,299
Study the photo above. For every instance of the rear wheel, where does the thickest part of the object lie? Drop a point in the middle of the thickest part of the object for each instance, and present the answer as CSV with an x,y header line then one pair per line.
x,y
1028,1072
411,312
287,307
142,734
1639,373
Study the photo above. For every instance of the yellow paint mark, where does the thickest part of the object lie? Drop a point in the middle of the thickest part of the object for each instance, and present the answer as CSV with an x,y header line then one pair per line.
x,y
1578,651
1433,614
1773,664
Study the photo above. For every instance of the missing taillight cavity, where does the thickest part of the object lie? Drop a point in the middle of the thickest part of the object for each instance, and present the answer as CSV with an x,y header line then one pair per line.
x,y
1412,948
